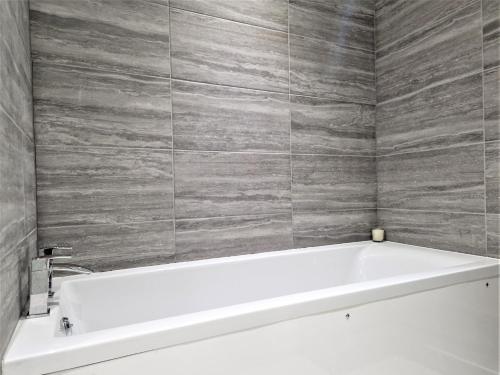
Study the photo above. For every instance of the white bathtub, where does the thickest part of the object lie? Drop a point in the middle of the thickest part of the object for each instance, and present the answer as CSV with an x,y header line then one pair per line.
x,y
358,308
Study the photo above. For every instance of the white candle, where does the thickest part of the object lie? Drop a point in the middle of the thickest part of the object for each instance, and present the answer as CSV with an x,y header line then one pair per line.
x,y
377,234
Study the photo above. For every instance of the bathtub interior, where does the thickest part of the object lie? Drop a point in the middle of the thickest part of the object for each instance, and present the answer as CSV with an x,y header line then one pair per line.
x,y
151,293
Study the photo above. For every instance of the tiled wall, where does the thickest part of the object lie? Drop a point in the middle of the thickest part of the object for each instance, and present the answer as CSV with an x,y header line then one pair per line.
x,y
193,129
17,167
438,124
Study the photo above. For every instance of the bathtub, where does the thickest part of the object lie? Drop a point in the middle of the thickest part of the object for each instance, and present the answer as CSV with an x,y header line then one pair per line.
x,y
358,308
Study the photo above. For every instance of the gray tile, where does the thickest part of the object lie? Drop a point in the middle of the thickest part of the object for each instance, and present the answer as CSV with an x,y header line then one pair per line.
x,y
82,185
108,247
272,14
440,230
492,176
441,52
218,237
446,115
211,184
116,36
348,23
447,179
325,228
491,33
323,69
29,185
493,236
220,118
492,104
325,183
79,106
397,19
325,126
213,50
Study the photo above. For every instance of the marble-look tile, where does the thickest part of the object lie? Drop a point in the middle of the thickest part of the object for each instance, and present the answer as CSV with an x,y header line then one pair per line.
x,y
235,235
213,50
449,179
323,69
325,228
459,232
271,14
493,235
438,53
492,104
108,247
79,106
397,19
326,126
492,176
446,115
29,185
84,185
491,33
326,183
212,184
11,184
219,118
347,23
130,37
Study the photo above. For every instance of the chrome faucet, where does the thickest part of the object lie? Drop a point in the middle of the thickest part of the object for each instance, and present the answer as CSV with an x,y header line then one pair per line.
x,y
42,271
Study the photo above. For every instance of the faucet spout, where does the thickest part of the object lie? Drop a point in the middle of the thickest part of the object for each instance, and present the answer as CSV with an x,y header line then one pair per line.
x,y
71,268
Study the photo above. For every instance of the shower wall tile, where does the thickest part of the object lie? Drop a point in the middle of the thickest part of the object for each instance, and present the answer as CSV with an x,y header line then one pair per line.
x,y
405,18
219,118
85,185
493,236
459,232
327,183
326,126
323,69
114,36
437,53
441,116
348,23
492,104
450,179
88,107
114,246
492,174
229,236
271,14
213,50
491,33
213,184
324,228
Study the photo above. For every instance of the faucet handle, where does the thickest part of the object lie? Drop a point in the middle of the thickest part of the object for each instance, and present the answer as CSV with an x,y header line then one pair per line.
x,y
55,252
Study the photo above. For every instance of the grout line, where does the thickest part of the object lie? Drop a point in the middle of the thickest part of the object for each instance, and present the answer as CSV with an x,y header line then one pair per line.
x,y
484,132
430,150
375,114
43,227
172,128
290,118
432,211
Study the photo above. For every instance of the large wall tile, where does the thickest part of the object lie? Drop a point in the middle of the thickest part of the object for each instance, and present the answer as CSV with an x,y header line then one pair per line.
x,y
108,247
492,175
323,69
82,185
446,115
130,37
491,33
492,104
440,52
272,14
212,184
333,182
235,235
398,18
213,50
79,106
448,179
442,230
325,126
493,236
325,228
219,118
348,23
